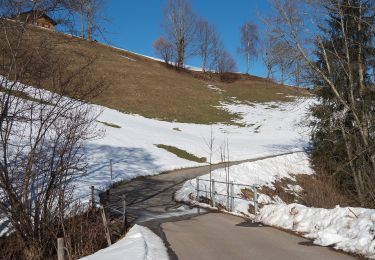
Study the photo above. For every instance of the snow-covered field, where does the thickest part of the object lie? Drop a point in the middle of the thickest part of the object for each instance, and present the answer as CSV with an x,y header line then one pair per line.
x,y
133,152
271,128
140,243
348,229
260,173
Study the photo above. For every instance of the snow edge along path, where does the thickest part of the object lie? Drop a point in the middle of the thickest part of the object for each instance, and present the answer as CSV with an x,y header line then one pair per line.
x,y
351,230
138,244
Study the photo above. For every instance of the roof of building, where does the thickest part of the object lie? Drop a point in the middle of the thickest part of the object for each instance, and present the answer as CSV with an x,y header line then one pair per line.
x,y
36,14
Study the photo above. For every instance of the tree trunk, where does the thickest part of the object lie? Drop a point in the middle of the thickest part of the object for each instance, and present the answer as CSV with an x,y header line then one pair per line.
x,y
82,25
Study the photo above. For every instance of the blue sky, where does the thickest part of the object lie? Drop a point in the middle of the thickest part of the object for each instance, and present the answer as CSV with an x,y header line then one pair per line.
x,y
134,25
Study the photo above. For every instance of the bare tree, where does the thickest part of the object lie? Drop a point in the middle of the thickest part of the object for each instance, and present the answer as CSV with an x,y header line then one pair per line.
x,y
210,143
164,49
225,159
94,18
79,7
206,38
91,16
223,61
42,133
283,57
180,22
249,42
267,54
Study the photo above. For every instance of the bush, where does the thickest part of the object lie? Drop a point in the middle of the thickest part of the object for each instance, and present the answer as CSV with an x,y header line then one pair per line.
x,y
321,192
83,235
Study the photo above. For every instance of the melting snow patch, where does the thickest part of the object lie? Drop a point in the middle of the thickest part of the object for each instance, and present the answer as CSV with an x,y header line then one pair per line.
x,y
139,243
212,87
348,229
126,57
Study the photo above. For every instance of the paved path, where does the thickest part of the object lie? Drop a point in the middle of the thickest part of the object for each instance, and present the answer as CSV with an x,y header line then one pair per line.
x,y
152,196
208,236
222,236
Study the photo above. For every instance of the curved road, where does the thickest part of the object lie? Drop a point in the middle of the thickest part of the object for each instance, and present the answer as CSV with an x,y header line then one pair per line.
x,y
209,235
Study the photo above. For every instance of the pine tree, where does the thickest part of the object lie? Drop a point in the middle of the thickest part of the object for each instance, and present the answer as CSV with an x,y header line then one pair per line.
x,y
342,147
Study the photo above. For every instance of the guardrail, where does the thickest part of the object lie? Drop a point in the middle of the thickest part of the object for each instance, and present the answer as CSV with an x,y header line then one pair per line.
x,y
230,194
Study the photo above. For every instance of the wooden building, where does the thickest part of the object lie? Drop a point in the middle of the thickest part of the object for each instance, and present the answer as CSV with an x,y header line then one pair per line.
x,y
37,18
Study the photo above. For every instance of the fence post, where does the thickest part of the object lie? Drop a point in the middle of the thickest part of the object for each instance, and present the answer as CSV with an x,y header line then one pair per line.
x,y
60,249
198,208
213,193
124,218
231,196
110,169
255,199
92,197
106,230
107,200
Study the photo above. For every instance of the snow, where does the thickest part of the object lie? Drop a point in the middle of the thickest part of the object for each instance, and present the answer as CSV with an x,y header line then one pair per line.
x,y
128,58
260,173
133,152
132,146
139,243
349,229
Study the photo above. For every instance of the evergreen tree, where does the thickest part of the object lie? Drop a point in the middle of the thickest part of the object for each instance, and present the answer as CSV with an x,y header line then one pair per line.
x,y
343,135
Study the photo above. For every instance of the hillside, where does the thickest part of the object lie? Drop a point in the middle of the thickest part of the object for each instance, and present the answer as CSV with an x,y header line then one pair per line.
x,y
144,86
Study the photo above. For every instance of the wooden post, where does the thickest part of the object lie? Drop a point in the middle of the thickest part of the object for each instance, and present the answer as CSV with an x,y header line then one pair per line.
x,y
106,230
198,208
213,193
60,249
110,169
124,215
107,200
92,197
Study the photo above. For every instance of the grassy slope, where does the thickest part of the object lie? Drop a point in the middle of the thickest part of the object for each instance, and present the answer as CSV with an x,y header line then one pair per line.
x,y
147,87
182,153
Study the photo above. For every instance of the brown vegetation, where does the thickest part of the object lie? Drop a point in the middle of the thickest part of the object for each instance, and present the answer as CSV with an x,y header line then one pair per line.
x,y
317,191
140,85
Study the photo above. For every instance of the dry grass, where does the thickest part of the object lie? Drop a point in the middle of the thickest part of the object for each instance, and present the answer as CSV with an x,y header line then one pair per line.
x,y
83,235
318,191
109,124
258,90
321,192
182,153
140,85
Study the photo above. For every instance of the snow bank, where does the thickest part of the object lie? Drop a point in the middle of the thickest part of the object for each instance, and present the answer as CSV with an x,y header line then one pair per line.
x,y
348,229
139,243
262,172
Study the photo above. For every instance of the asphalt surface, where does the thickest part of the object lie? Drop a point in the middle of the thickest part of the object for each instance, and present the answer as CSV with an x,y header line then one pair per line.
x,y
222,236
209,235
151,197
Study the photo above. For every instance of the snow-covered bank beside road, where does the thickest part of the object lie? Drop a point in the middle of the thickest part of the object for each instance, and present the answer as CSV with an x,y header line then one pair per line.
x,y
140,243
349,229
262,172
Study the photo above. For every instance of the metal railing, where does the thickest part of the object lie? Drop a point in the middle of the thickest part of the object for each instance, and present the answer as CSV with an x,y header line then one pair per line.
x,y
212,193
